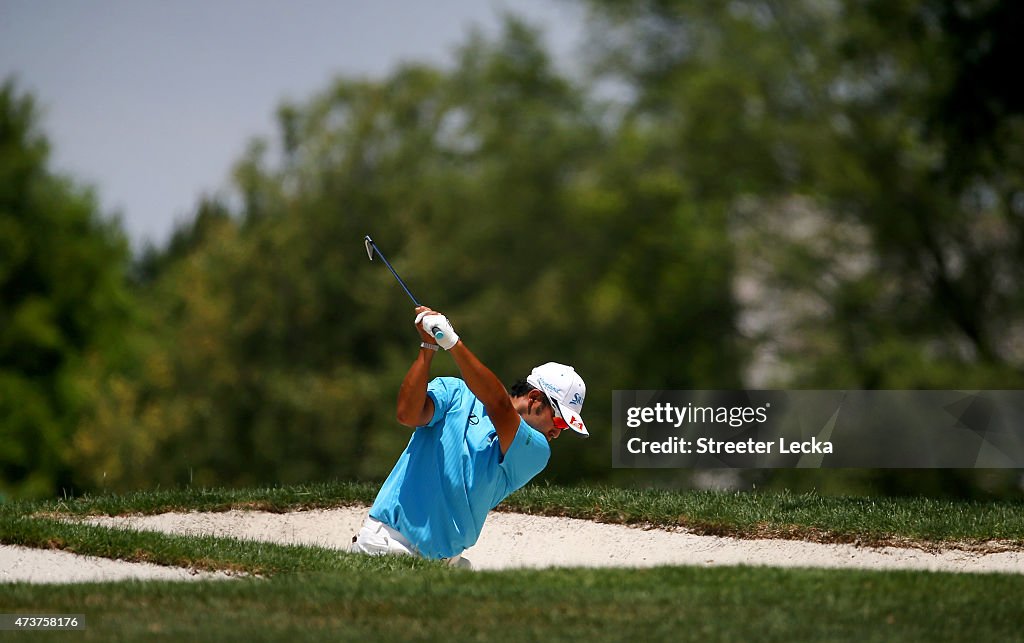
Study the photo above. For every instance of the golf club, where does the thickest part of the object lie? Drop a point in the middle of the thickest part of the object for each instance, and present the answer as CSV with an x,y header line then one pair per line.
x,y
371,247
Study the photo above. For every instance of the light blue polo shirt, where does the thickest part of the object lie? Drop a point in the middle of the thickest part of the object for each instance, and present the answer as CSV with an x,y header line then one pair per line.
x,y
452,473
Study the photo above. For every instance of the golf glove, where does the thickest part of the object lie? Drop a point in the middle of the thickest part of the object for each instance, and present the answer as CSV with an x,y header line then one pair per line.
x,y
439,328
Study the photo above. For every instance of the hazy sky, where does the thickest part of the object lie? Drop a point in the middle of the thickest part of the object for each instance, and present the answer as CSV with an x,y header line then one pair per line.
x,y
151,101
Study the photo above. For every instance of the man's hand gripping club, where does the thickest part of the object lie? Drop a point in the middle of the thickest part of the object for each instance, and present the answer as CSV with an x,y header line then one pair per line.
x,y
435,327
415,407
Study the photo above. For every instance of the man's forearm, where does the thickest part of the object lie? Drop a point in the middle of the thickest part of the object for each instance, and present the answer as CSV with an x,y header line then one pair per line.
x,y
412,394
490,391
480,379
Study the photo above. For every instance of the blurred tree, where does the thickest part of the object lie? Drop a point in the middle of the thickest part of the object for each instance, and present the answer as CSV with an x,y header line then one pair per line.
x,y
185,238
274,349
63,298
745,192
877,224
975,109
868,155
940,202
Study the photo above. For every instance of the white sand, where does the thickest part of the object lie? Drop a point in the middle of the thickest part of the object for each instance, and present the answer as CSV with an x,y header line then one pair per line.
x,y
516,540
25,565
508,541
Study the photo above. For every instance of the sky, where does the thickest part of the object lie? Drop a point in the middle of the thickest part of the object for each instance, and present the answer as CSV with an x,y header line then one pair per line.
x,y
151,102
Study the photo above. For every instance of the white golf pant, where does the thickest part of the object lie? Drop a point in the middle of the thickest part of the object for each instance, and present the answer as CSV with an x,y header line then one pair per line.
x,y
376,538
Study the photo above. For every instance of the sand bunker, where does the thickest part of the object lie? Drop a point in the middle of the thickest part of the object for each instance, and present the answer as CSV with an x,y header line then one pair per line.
x,y
508,541
517,541
25,565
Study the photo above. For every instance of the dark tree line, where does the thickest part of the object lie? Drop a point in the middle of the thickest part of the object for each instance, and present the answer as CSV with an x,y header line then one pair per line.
x,y
816,195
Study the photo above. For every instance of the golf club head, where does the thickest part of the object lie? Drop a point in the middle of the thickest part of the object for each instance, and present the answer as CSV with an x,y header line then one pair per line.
x,y
368,242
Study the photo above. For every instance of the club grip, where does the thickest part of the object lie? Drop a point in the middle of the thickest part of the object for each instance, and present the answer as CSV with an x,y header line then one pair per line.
x,y
437,332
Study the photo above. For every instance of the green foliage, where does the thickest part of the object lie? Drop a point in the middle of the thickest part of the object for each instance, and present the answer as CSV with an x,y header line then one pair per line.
x,y
275,348
738,194
63,301
880,240
870,169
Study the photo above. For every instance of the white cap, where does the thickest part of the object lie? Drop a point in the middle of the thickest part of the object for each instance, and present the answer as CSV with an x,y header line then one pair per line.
x,y
565,390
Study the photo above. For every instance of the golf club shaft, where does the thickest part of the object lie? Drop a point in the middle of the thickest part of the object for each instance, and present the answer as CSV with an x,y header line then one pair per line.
x,y
372,247
435,331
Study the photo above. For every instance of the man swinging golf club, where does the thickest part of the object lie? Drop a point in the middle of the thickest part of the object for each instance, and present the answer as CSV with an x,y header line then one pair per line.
x,y
474,444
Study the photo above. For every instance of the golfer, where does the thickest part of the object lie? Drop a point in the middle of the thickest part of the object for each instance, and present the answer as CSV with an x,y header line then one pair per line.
x,y
474,444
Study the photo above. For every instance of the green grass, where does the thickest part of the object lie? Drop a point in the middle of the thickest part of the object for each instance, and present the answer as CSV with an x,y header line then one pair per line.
x,y
431,603
315,594
808,516
274,499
